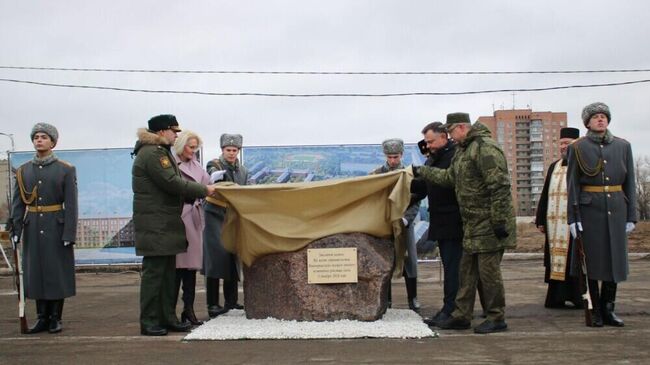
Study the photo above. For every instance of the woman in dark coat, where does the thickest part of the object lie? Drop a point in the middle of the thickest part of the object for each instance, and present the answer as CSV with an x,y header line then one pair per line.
x,y
217,262
44,210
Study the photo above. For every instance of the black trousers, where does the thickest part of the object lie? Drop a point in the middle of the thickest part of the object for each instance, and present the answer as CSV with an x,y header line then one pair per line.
x,y
450,253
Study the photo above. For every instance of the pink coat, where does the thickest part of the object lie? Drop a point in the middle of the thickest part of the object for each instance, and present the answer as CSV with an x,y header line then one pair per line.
x,y
192,218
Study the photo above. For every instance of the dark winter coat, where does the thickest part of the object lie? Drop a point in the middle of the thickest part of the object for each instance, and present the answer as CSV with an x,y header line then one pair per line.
x,y
48,265
479,176
603,214
445,222
159,192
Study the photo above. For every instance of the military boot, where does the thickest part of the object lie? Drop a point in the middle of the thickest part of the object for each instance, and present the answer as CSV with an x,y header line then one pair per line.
x,y
231,294
596,314
43,315
212,297
607,300
412,294
56,311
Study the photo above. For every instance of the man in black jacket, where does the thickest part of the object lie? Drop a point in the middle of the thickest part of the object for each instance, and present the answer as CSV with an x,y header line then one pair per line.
x,y
445,224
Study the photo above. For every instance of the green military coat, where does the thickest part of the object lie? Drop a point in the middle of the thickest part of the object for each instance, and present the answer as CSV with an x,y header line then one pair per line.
x,y
159,192
479,175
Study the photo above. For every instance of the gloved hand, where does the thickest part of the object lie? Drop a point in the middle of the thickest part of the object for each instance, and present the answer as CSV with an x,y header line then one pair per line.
x,y
629,227
500,231
574,228
405,222
67,243
216,176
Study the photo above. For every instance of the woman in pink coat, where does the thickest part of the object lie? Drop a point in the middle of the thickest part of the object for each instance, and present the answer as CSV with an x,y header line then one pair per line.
x,y
187,263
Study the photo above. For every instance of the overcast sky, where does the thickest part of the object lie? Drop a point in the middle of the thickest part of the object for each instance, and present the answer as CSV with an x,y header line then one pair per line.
x,y
313,36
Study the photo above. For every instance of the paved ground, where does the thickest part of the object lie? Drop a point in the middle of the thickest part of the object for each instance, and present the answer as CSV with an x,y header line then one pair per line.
x,y
101,326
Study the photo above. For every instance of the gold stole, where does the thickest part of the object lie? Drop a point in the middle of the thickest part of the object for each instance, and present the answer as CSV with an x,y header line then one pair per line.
x,y
556,222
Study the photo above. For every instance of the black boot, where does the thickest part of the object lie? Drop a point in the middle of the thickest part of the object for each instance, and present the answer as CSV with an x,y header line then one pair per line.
x,y
596,316
607,300
189,315
231,294
56,311
43,322
212,297
189,292
412,293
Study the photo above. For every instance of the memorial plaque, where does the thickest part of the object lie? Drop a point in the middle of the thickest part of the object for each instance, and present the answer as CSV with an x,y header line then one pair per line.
x,y
332,265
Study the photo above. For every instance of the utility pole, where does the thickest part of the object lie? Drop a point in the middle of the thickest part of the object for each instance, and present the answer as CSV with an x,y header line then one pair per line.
x,y
11,137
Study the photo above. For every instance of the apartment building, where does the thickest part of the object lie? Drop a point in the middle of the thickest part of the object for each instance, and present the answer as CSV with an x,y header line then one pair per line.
x,y
530,141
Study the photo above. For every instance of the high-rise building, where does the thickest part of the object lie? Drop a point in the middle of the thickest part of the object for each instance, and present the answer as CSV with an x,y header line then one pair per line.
x,y
530,141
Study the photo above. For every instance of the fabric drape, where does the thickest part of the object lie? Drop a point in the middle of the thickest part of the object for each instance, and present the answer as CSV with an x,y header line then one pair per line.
x,y
266,219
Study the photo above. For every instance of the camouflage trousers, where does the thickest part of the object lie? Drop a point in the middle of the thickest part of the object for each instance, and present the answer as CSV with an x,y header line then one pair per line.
x,y
485,267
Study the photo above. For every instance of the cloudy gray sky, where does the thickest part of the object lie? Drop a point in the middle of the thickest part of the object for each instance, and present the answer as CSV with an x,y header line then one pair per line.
x,y
313,36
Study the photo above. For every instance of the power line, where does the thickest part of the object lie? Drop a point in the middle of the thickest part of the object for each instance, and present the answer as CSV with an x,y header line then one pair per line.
x,y
209,93
252,72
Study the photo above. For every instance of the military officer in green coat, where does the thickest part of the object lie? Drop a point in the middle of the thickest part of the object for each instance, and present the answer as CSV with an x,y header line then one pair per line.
x,y
158,195
479,175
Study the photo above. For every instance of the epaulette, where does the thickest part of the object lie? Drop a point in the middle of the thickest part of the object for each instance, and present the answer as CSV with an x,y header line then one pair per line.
x,y
66,163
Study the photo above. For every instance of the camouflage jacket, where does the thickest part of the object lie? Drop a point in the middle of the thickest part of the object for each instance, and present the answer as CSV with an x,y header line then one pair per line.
x,y
479,176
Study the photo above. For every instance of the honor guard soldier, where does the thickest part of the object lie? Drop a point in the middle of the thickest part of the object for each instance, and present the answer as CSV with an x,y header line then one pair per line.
x,y
602,197
44,212
394,150
219,264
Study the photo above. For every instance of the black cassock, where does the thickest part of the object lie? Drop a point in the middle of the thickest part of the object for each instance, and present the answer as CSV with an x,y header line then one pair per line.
x,y
558,292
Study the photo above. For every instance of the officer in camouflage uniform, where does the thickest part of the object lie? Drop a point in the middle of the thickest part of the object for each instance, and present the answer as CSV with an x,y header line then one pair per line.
x,y
602,196
479,175
393,150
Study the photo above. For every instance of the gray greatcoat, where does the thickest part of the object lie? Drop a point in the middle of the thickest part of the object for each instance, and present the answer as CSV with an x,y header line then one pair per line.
x,y
411,259
48,265
217,262
603,214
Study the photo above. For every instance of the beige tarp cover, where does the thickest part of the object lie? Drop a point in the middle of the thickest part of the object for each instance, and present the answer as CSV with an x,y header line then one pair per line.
x,y
266,219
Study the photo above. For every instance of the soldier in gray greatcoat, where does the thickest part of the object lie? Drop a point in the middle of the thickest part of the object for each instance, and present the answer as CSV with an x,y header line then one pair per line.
x,y
393,150
44,211
217,262
602,197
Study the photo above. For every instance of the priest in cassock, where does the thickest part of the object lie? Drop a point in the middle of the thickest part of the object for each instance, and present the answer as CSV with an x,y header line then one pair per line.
x,y
551,220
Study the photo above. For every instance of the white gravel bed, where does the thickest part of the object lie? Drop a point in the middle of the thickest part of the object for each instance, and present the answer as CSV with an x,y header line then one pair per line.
x,y
396,323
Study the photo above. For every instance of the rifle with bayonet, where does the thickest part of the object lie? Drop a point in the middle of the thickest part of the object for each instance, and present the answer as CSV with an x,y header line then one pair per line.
x,y
18,268
583,279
